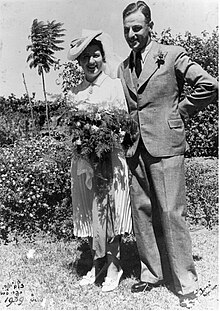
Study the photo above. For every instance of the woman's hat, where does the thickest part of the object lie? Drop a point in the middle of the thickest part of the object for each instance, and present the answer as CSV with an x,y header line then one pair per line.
x,y
77,46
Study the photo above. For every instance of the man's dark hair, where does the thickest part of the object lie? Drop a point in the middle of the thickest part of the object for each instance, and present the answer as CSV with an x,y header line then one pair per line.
x,y
139,5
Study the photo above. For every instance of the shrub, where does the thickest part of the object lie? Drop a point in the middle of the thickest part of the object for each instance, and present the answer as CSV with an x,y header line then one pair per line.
x,y
16,120
71,75
202,133
35,193
202,191
35,187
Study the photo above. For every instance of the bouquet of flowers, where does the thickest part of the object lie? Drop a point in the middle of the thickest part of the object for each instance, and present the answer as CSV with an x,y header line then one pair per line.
x,y
94,134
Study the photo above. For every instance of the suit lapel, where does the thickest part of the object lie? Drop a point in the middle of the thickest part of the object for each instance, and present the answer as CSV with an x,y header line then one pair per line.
x,y
128,75
150,65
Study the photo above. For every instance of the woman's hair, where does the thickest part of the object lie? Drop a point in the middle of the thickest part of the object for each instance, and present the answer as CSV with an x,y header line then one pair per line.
x,y
134,7
99,44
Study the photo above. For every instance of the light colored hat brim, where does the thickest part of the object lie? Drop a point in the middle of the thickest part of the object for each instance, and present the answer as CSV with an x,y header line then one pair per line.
x,y
78,45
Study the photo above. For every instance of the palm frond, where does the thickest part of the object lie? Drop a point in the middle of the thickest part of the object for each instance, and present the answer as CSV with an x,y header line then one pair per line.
x,y
31,56
45,42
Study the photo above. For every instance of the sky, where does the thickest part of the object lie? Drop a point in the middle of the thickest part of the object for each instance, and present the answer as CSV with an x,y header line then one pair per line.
x,y
16,17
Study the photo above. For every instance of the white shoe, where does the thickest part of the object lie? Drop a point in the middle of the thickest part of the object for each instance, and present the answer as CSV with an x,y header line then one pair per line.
x,y
111,284
87,279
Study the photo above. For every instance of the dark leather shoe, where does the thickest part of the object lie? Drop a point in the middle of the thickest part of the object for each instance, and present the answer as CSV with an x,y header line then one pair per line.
x,y
141,287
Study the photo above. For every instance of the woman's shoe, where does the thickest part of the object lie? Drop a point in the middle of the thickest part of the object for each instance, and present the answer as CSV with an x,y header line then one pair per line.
x,y
111,284
87,279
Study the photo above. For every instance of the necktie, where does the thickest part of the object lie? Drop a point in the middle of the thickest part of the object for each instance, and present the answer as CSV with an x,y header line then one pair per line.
x,y
138,67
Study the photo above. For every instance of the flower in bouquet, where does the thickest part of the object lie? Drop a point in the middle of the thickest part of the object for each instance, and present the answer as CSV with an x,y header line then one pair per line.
x,y
95,132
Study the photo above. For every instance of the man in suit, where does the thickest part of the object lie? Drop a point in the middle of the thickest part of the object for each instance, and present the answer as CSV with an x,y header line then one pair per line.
x,y
153,77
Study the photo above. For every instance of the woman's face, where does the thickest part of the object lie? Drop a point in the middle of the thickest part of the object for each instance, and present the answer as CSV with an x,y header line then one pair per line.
x,y
91,61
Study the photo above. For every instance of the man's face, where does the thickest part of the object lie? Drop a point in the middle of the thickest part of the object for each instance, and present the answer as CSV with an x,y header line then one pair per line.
x,y
137,31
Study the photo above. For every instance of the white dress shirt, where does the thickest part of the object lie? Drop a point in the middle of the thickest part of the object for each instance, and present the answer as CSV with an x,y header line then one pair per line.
x,y
144,53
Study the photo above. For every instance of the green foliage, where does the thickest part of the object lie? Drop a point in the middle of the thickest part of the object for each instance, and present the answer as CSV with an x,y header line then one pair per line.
x,y
203,50
202,191
202,133
35,187
44,43
16,117
35,192
71,75
13,121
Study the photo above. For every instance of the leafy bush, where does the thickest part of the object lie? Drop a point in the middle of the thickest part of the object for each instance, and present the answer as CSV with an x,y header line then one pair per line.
x,y
35,193
202,133
71,75
35,187
202,191
16,120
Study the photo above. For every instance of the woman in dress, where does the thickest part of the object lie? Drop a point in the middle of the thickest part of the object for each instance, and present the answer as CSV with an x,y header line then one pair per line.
x,y
107,216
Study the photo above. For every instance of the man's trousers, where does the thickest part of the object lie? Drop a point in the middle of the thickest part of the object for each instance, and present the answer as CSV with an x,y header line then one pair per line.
x,y
158,211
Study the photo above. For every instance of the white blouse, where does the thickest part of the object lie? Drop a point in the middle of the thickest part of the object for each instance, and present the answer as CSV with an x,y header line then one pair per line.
x,y
104,91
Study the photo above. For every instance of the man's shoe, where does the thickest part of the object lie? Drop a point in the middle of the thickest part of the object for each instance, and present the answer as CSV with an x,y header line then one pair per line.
x,y
141,287
188,300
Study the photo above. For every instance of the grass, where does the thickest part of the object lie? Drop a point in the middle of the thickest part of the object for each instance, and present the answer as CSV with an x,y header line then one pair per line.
x,y
49,279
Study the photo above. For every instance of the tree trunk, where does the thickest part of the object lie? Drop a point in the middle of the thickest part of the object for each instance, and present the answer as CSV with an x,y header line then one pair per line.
x,y
46,103
30,103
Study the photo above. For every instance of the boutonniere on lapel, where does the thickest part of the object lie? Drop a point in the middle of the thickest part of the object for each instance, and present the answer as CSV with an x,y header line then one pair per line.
x,y
160,58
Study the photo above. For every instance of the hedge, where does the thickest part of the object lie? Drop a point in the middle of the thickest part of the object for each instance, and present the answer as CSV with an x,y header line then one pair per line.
x,y
35,193
35,187
15,122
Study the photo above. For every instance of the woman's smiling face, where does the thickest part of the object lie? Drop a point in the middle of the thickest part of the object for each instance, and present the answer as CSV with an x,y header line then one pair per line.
x,y
91,60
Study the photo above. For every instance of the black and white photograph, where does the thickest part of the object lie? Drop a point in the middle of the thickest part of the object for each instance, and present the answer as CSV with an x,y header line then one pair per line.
x,y
109,155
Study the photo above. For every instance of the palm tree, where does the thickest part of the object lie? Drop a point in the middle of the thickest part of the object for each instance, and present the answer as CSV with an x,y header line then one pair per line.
x,y
45,38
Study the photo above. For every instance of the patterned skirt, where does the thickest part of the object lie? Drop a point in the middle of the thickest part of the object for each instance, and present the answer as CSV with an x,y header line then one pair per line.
x,y
101,210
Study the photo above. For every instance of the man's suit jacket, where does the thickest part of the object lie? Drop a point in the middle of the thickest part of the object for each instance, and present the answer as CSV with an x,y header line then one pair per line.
x,y
154,99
